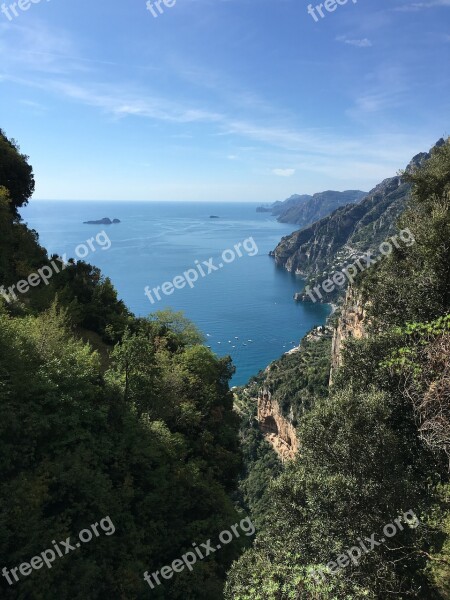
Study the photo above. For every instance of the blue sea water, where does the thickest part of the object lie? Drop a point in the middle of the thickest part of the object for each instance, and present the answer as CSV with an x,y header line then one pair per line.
x,y
245,309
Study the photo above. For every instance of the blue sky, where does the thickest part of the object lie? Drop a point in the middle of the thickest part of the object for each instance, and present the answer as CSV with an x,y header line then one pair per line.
x,y
233,100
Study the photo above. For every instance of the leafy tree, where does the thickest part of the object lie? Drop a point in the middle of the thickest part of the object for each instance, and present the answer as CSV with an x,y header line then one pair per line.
x,y
134,372
16,175
413,283
356,473
175,328
76,449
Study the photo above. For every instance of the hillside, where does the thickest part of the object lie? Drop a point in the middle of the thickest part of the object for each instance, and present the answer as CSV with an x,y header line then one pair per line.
x,y
305,210
362,510
350,231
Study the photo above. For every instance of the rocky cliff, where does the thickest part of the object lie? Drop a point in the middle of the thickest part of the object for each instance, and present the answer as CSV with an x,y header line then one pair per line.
x,y
349,231
277,429
352,324
345,234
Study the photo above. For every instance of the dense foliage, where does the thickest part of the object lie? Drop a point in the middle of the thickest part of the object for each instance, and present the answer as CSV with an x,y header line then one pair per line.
x,y
142,431
16,174
378,446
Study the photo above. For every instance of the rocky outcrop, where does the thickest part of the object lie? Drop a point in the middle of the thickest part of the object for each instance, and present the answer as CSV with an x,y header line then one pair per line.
x,y
276,428
352,324
104,221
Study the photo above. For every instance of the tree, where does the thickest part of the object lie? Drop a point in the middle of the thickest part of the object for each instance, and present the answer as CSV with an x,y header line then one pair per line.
x,y
16,174
413,283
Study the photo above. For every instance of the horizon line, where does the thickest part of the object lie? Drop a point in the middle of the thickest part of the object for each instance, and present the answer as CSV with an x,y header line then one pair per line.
x,y
134,200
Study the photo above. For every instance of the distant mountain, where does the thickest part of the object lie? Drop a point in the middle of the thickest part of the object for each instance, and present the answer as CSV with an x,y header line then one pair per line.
x,y
349,231
294,201
304,209
308,211
278,207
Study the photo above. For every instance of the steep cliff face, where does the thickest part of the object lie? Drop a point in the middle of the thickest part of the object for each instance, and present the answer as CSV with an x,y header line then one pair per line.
x,y
349,231
277,399
314,208
277,429
277,414
352,324
346,233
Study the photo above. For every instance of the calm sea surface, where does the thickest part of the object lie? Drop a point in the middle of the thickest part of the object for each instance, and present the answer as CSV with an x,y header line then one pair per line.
x,y
245,309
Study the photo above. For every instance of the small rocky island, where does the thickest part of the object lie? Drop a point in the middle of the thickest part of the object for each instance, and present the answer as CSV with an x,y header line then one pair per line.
x,y
104,221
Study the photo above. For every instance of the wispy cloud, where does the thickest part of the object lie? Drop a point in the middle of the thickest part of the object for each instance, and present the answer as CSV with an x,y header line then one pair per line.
x,y
382,90
312,147
112,101
359,43
37,48
284,172
33,104
416,6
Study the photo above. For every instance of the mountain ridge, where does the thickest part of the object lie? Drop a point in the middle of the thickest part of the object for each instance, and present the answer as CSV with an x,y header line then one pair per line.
x,y
306,209
349,231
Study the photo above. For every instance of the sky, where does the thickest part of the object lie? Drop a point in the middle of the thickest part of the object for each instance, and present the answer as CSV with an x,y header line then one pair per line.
x,y
221,100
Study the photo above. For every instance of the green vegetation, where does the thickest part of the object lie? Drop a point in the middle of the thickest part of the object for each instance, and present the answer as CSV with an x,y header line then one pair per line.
x,y
140,429
379,444
294,381
16,175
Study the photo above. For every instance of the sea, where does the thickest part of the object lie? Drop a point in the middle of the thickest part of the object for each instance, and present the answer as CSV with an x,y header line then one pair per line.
x,y
245,308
